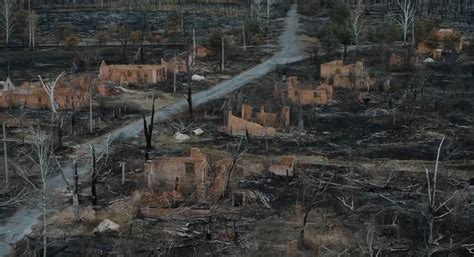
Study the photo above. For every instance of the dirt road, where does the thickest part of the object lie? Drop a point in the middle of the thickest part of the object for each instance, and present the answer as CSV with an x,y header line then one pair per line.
x,y
20,224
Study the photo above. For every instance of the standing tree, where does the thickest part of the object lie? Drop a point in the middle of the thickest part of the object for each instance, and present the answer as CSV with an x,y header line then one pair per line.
x,y
406,16
75,194
269,5
313,193
256,8
32,27
189,96
50,89
357,22
434,210
336,31
239,151
21,25
7,18
43,159
99,164
148,129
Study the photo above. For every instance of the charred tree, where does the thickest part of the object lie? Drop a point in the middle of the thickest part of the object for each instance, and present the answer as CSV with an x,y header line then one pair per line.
x,y
189,97
94,177
148,128
75,195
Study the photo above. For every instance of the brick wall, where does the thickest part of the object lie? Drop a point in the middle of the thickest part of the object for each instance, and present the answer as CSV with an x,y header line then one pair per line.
x,y
129,73
308,96
239,127
186,174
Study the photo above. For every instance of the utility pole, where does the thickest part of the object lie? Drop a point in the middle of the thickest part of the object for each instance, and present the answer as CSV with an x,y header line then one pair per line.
x,y
5,154
413,31
90,109
194,47
174,73
268,12
122,164
222,52
182,21
243,37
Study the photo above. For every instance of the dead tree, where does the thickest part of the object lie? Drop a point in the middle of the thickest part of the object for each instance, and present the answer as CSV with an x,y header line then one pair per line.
x,y
94,177
374,245
50,89
5,154
237,154
420,79
32,27
75,194
222,52
42,157
99,164
148,128
269,5
434,210
7,18
189,97
313,194
357,23
406,18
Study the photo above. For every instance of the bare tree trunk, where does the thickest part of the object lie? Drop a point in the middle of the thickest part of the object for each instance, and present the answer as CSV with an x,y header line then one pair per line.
x,y
5,154
43,154
7,18
174,73
243,37
406,17
44,217
75,196
190,103
194,48
123,172
91,127
94,179
50,89
222,53
148,129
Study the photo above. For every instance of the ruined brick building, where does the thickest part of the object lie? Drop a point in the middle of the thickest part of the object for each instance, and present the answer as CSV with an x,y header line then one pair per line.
x,y
285,166
131,73
341,75
188,175
142,73
71,93
307,94
256,123
446,40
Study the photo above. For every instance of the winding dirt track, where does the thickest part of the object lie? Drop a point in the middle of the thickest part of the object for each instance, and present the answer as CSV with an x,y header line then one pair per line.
x,y
20,223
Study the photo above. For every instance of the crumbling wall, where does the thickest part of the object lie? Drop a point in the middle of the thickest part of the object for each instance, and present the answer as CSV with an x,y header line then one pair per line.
x,y
219,182
329,90
330,69
346,76
445,40
285,167
184,174
201,52
70,93
130,73
308,95
267,119
239,127
247,112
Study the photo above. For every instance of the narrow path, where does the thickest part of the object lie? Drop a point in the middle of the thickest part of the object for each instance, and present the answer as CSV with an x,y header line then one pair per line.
x,y
20,224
